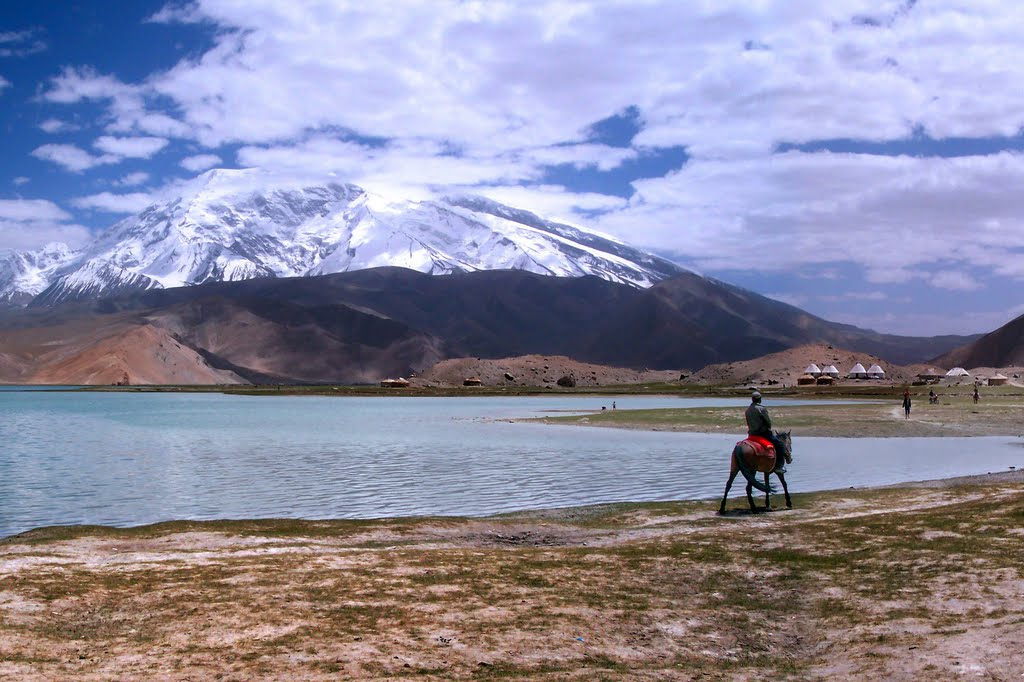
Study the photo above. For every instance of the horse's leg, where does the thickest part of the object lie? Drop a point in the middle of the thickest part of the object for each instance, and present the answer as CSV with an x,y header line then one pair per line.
x,y
750,498
767,495
728,484
789,503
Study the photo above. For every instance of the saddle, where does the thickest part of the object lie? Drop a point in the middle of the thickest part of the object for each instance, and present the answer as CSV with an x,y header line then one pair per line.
x,y
763,452
762,446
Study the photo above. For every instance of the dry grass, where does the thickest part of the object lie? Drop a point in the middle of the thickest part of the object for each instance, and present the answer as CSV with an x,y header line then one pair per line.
x,y
846,585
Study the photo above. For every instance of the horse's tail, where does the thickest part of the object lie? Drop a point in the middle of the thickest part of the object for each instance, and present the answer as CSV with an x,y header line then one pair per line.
x,y
748,473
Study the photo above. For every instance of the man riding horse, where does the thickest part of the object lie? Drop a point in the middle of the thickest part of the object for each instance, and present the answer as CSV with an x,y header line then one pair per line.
x,y
763,451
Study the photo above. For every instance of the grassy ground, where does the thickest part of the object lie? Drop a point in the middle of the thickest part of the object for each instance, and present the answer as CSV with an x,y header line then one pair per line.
x,y
997,414
900,583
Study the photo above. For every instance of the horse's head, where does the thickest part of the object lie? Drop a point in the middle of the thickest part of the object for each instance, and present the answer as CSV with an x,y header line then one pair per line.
x,y
787,440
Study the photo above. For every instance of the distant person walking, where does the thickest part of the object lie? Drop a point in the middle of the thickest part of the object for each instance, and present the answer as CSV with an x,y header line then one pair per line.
x,y
906,404
977,396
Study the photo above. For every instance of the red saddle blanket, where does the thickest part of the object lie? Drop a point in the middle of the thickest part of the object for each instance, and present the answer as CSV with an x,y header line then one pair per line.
x,y
762,446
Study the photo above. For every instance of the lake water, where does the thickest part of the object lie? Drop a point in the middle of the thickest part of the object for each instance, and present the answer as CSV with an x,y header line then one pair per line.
x,y
134,458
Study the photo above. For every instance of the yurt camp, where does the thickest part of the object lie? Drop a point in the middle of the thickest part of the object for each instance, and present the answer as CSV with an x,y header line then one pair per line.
x,y
857,372
830,371
876,372
813,370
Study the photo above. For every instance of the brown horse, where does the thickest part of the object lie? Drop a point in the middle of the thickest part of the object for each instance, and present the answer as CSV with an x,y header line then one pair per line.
x,y
746,461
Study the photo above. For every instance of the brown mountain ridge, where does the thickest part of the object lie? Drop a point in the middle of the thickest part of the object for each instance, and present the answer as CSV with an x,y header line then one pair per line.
x,y
357,327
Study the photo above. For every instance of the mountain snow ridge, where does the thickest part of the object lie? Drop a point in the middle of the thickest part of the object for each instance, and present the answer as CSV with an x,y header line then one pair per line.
x,y
229,225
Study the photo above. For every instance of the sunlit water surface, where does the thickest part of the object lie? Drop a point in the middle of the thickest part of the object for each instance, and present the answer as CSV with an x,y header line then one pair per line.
x,y
128,459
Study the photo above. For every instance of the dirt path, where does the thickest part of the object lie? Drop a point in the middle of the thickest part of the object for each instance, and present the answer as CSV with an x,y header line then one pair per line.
x,y
894,583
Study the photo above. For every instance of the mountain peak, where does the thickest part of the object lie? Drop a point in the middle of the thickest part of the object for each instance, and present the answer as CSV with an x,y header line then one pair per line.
x,y
232,224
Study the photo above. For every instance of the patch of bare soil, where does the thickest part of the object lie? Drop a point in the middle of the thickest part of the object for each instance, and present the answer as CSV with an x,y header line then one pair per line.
x,y
902,583
536,370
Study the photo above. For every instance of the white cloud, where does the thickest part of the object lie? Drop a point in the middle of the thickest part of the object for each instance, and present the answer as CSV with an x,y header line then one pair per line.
x,y
797,300
31,210
131,147
201,162
71,157
21,180
31,223
855,296
54,125
132,179
928,323
4,83
896,217
488,95
20,43
107,202
26,236
955,280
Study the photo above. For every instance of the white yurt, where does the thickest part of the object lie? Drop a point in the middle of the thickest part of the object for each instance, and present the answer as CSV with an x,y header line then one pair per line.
x,y
858,372
958,372
831,371
813,370
876,372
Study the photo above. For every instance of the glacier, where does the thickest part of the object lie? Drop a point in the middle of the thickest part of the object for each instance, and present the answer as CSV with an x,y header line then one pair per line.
x,y
230,225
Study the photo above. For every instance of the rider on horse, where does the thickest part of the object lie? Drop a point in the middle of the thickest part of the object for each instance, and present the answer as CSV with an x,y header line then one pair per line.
x,y
759,423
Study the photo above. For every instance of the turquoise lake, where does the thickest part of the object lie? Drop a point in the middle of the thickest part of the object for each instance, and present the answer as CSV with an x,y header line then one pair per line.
x,y
134,458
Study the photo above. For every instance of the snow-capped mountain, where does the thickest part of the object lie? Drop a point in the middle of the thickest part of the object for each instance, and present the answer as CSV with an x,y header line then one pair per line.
x,y
240,224
25,274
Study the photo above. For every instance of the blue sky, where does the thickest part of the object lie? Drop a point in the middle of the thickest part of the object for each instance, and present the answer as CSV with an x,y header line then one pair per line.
x,y
859,159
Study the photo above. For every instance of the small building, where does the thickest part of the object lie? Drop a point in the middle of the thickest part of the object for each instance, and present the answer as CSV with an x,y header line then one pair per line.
x,y
958,372
831,371
929,376
998,380
806,380
858,372
472,381
394,383
813,370
825,380
876,372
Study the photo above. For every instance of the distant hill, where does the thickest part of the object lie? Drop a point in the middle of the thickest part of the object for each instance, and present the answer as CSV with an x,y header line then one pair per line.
x,y
1003,347
360,326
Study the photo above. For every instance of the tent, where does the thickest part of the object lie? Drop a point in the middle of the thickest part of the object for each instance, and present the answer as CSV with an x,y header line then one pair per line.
x,y
876,372
813,370
858,372
831,371
958,372
806,380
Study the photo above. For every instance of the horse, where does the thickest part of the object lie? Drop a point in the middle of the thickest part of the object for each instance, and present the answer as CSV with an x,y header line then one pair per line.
x,y
746,461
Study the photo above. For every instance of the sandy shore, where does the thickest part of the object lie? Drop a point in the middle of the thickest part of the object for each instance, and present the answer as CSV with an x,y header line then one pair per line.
x,y
919,581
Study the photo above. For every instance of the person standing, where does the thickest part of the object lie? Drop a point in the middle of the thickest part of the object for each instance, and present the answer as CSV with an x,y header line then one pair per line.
x,y
906,404
977,396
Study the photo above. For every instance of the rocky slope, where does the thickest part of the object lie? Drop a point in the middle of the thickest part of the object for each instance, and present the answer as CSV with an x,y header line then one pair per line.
x,y
1003,347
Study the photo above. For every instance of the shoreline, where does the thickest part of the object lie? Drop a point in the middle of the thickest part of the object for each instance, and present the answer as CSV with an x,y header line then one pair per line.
x,y
851,579
1014,475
